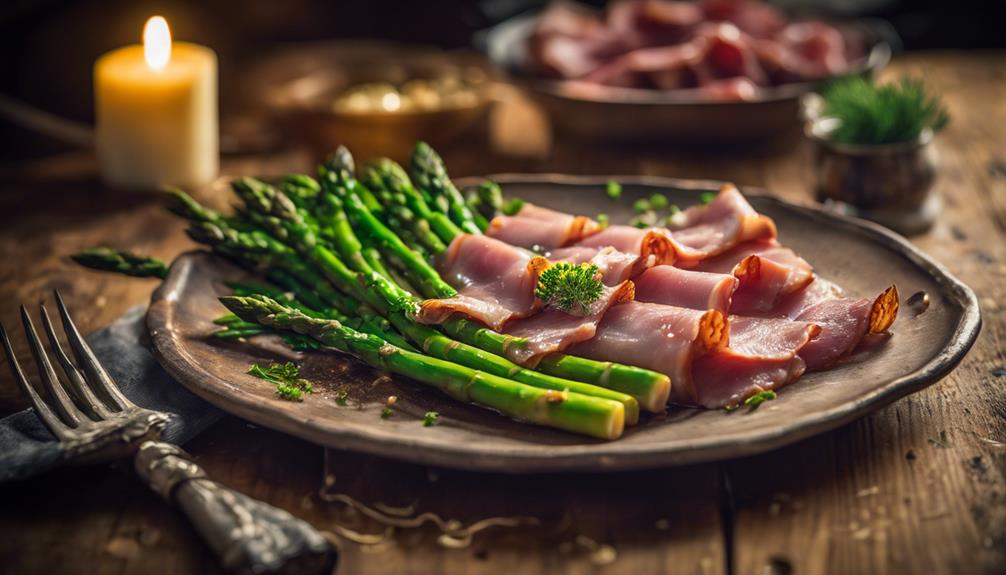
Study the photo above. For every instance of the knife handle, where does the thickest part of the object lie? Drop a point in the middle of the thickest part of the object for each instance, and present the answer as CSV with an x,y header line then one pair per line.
x,y
248,536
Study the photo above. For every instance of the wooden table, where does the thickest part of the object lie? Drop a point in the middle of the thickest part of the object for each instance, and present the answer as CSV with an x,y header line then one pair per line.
x,y
917,487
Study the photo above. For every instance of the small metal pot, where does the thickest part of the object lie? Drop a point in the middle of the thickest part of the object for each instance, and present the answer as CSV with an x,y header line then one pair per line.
x,y
890,184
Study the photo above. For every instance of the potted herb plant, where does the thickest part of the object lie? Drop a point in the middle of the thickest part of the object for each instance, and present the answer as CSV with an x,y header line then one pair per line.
x,y
873,150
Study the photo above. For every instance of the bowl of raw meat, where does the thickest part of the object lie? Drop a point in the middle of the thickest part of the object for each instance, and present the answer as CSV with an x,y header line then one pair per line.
x,y
713,71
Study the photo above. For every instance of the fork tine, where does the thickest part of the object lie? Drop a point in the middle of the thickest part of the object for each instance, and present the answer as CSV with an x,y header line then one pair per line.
x,y
49,419
95,375
61,401
76,382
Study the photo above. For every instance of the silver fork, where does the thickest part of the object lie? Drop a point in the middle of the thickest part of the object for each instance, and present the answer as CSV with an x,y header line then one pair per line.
x,y
94,421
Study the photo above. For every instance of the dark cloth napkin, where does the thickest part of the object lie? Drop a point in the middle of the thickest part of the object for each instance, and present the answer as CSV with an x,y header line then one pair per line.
x,y
26,446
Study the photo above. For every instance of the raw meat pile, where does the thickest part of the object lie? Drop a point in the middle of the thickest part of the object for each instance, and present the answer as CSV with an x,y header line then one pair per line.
x,y
723,49
715,302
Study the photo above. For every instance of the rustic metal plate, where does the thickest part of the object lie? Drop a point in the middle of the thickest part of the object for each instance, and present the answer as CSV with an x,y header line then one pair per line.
x,y
863,257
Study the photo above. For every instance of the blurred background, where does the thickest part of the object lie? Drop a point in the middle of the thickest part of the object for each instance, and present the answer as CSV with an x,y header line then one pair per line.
x,y
51,45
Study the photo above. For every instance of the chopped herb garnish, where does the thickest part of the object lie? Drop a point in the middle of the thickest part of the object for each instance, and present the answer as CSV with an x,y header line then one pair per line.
x,y
614,190
641,205
513,206
387,412
707,197
430,418
286,376
602,220
674,209
341,396
759,398
645,220
658,201
570,287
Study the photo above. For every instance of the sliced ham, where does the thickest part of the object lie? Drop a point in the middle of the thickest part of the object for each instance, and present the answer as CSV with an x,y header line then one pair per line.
x,y
658,337
615,266
704,231
845,322
763,354
670,285
552,330
534,227
495,282
653,242
767,272
698,233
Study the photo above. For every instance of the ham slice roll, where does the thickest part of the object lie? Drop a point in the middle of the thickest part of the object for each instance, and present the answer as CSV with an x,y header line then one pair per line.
x,y
535,227
495,282
552,330
658,337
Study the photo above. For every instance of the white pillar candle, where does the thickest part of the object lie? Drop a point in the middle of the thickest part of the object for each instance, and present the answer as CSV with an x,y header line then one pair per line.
x,y
156,112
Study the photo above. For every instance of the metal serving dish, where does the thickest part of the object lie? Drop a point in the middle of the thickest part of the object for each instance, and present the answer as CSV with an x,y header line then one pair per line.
x,y
625,114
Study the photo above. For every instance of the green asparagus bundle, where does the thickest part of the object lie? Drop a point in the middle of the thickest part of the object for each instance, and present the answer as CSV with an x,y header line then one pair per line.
x,y
396,307
594,416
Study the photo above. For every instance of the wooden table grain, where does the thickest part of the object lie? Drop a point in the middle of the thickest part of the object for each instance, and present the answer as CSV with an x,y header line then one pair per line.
x,y
917,487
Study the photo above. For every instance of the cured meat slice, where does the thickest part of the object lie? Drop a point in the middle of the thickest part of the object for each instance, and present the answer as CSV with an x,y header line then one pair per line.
x,y
727,379
552,330
495,282
627,239
704,231
767,272
698,233
615,266
658,337
670,285
845,322
534,227
763,354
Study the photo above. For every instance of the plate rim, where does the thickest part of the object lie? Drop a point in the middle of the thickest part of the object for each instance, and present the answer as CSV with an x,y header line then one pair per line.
x,y
600,456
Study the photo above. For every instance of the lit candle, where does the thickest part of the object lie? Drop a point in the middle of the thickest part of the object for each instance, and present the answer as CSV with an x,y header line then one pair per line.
x,y
156,112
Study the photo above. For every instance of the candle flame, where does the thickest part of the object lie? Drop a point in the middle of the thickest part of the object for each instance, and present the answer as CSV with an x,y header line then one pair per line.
x,y
157,42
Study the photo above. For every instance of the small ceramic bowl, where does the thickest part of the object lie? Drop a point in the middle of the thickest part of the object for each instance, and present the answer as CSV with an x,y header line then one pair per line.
x,y
890,184
305,83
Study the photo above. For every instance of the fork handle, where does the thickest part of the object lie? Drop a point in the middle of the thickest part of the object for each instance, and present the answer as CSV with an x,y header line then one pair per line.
x,y
248,536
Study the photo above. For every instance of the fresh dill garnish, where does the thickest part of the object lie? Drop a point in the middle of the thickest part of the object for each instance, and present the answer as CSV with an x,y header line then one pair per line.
x,y
430,418
286,377
387,412
341,396
614,190
658,201
707,197
570,287
759,398
513,206
871,114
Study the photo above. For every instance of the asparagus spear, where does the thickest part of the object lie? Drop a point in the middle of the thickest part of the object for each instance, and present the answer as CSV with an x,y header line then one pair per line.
x,y
121,261
337,179
594,416
430,175
385,174
259,251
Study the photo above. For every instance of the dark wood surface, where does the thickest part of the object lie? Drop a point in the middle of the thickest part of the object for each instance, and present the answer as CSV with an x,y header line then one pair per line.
x,y
917,487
